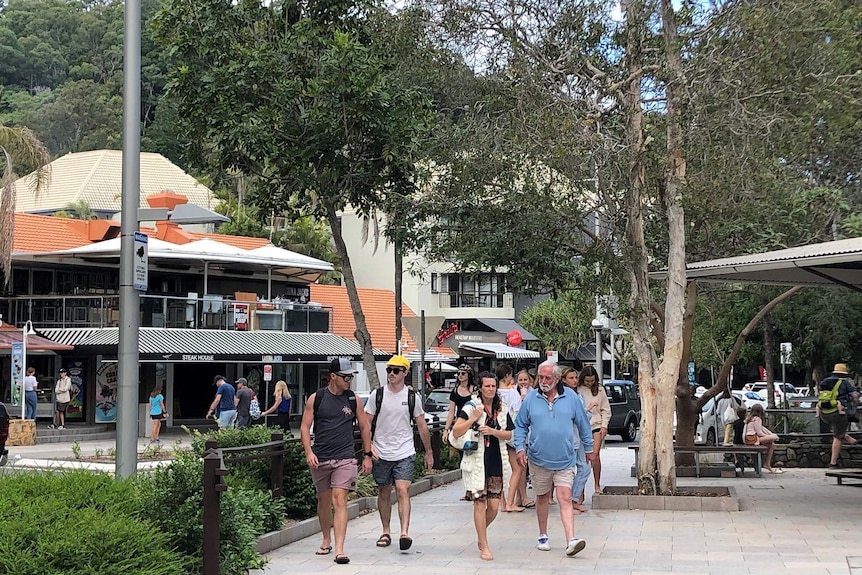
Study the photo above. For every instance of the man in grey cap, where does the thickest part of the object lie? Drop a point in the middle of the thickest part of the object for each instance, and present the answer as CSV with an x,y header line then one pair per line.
x,y
243,403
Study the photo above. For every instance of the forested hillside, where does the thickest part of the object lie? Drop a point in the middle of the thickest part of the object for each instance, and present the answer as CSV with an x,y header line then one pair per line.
x,y
61,70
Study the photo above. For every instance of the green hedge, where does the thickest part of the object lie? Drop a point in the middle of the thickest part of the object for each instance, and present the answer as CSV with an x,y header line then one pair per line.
x,y
300,497
81,522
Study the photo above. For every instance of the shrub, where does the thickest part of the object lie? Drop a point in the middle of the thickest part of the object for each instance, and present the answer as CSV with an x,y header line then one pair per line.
x,y
76,522
299,498
177,492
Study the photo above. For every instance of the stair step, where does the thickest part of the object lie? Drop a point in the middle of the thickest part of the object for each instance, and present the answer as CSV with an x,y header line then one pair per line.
x,y
69,436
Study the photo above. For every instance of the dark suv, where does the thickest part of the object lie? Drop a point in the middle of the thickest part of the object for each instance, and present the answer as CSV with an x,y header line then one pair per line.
x,y
625,408
4,434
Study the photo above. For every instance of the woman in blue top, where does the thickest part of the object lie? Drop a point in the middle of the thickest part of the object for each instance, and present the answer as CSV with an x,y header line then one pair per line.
x,y
157,412
281,407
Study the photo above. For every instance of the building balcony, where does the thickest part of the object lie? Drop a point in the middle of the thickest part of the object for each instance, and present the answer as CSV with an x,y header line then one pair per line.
x,y
500,300
207,312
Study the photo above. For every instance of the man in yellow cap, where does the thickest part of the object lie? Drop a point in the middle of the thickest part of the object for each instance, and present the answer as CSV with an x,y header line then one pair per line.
x,y
841,387
393,407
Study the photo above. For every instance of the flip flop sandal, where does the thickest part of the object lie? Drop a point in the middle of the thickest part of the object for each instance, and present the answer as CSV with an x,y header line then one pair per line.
x,y
404,543
324,550
385,540
342,559
530,505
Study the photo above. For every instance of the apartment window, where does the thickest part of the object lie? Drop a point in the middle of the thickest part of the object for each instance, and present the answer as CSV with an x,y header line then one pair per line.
x,y
434,284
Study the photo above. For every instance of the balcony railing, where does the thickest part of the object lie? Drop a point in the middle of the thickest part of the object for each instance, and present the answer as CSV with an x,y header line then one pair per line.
x,y
208,312
471,299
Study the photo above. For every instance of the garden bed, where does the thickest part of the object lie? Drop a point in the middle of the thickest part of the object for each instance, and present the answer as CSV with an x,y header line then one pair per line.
x,y
697,498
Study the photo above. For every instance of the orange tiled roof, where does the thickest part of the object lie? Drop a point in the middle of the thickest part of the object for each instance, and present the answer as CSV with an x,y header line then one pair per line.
x,y
47,234
378,306
242,242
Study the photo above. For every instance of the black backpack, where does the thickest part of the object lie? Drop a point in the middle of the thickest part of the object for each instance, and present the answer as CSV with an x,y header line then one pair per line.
x,y
378,402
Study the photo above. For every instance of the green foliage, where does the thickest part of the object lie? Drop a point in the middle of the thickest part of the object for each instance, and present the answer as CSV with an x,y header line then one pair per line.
x,y
176,492
300,496
449,458
74,522
365,486
563,323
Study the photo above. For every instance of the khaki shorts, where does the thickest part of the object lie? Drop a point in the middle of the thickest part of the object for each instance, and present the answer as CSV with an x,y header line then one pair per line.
x,y
335,473
546,479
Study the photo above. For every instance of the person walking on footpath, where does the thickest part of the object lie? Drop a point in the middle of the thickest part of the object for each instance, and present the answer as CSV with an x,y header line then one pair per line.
x,y
31,400
242,401
333,411
599,409
394,408
836,392
457,398
223,405
569,378
486,418
511,397
62,397
281,406
547,415
157,412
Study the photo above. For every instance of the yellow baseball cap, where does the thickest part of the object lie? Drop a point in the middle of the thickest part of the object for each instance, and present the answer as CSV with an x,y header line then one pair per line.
x,y
399,361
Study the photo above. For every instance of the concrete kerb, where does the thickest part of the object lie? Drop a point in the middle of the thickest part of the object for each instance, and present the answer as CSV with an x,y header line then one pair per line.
x,y
302,529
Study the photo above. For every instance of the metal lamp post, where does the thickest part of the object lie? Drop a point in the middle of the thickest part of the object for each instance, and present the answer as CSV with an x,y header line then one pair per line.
x,y
598,326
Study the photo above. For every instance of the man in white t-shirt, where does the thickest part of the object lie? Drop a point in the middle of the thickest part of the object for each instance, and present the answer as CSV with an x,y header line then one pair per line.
x,y
393,448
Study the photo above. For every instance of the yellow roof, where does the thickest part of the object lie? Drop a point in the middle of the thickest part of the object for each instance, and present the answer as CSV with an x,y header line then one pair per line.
x,y
96,178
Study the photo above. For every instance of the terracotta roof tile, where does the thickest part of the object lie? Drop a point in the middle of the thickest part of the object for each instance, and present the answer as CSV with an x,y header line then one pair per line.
x,y
378,306
241,242
44,234
48,233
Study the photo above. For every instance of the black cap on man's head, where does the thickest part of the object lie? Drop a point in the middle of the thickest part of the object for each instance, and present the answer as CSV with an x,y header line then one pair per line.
x,y
341,365
218,378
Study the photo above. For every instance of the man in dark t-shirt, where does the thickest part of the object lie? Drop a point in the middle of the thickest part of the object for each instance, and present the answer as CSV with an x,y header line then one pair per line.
x,y
332,460
243,403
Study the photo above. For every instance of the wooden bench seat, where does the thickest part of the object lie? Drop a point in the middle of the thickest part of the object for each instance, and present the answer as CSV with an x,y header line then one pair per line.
x,y
841,475
756,452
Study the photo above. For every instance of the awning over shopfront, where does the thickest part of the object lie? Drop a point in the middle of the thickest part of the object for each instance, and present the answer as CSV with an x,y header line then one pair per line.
x,y
498,350
197,345
507,325
430,355
35,343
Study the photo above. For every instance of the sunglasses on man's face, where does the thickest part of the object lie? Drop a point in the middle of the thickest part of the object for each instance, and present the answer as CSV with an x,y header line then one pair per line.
x,y
348,377
395,370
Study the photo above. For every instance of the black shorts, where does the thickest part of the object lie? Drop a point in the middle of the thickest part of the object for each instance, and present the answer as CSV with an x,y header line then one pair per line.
x,y
62,406
159,416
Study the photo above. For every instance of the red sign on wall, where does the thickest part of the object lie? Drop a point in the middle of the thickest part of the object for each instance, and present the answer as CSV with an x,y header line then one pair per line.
x,y
446,333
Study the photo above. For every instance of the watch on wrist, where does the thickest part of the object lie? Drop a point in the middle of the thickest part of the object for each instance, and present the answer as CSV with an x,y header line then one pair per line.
x,y
368,454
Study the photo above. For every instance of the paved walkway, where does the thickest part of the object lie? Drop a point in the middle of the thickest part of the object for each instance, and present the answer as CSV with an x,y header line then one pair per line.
x,y
796,523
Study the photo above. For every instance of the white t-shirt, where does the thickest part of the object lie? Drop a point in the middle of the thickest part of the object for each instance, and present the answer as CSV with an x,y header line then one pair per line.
x,y
393,436
512,398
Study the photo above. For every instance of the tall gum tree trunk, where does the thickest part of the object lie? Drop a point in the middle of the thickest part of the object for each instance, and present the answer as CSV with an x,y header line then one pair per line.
x,y
361,333
636,254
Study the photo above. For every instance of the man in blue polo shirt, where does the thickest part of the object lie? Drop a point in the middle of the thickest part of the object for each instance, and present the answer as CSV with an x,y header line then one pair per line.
x,y
223,404
547,415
